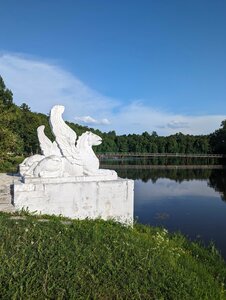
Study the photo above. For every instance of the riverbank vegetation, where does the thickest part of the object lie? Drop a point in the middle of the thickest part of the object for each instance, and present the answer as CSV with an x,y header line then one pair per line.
x,y
18,136
56,258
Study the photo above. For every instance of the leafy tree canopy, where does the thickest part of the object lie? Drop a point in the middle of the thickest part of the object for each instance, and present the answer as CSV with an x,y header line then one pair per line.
x,y
6,96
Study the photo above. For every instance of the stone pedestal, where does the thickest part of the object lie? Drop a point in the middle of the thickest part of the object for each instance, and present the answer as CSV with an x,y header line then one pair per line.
x,y
77,197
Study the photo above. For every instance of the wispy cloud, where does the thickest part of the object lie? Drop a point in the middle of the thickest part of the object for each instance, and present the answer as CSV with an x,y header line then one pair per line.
x,y
90,121
42,84
175,124
139,117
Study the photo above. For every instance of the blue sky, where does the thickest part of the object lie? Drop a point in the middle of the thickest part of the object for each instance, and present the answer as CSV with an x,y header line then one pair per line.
x,y
132,66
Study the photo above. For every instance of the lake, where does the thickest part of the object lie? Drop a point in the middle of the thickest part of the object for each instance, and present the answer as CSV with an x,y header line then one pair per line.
x,y
189,199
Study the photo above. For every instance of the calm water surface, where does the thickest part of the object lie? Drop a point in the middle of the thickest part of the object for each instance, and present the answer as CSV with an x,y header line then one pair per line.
x,y
192,201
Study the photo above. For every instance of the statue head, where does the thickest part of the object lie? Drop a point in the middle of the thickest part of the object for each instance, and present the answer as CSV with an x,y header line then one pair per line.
x,y
59,109
88,139
93,139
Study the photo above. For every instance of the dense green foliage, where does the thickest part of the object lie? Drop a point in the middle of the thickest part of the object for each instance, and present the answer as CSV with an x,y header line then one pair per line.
x,y
218,139
103,260
152,143
10,163
18,134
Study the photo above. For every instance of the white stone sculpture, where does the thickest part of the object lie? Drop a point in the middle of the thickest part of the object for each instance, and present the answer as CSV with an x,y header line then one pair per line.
x,y
66,156
27,166
66,179
47,147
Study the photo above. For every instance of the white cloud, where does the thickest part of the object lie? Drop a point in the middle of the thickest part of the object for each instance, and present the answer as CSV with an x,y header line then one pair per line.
x,y
170,188
42,84
177,124
90,121
138,117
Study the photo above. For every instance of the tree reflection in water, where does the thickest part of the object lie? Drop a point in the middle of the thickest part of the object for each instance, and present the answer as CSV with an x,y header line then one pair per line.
x,y
179,175
217,180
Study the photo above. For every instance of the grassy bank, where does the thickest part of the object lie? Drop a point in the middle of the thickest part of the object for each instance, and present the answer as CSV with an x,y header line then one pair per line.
x,y
103,260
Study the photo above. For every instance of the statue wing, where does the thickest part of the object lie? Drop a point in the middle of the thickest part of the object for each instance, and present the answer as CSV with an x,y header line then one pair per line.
x,y
65,136
47,147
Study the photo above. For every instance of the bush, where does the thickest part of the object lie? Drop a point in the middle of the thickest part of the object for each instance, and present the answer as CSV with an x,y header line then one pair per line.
x,y
10,164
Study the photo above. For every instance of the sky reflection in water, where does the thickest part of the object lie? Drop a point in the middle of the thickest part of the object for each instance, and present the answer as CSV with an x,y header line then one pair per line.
x,y
195,206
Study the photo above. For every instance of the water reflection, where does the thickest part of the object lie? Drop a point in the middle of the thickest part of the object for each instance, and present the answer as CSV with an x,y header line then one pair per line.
x,y
217,180
159,161
178,175
186,200
214,178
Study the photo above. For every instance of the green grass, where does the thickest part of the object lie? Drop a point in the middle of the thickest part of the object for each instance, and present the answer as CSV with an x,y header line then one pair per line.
x,y
103,260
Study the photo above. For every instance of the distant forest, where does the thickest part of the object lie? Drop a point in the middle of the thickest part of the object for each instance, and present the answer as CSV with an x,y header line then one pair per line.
x,y
18,135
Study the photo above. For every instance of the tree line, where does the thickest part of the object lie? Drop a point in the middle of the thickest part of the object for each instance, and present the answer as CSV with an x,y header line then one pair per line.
x,y
18,134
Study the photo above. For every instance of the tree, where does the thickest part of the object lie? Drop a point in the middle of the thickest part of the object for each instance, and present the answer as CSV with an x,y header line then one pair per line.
x,y
6,96
218,139
172,146
25,107
154,134
10,143
122,143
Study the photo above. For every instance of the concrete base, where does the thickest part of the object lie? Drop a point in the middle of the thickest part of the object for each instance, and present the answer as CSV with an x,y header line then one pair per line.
x,y
105,199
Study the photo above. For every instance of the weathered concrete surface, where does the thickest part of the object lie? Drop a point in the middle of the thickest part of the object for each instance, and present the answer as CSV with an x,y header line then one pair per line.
x,y
6,182
38,180
106,199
